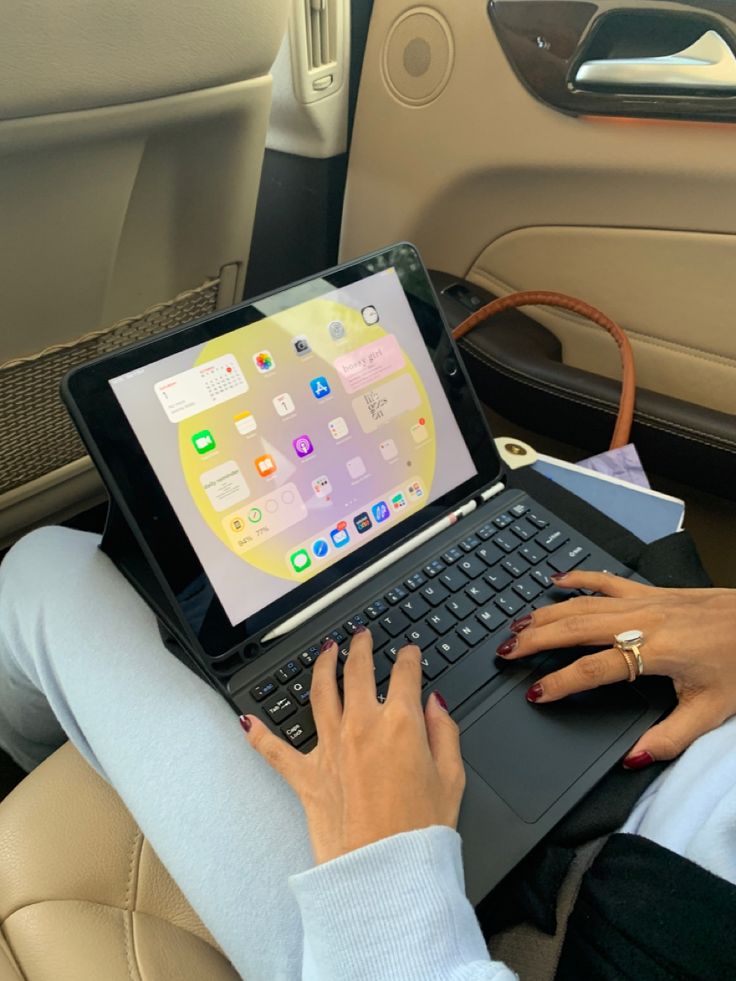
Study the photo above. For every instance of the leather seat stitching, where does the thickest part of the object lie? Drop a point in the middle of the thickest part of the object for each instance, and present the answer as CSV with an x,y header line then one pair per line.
x,y
131,895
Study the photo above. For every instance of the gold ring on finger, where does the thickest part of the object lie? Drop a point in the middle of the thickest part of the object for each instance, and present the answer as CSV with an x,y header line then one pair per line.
x,y
629,643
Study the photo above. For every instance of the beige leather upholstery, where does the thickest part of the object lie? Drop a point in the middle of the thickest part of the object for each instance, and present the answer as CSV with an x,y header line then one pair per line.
x,y
82,895
131,140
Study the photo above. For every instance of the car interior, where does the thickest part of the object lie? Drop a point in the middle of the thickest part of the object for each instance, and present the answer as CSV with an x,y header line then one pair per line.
x,y
160,161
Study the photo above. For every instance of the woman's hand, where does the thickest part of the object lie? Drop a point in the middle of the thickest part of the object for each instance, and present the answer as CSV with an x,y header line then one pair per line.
x,y
378,769
689,635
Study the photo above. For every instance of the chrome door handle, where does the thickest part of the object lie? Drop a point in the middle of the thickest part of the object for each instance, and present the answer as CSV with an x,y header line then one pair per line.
x,y
709,63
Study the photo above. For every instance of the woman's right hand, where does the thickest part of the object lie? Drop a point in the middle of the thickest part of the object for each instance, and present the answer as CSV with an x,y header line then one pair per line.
x,y
378,769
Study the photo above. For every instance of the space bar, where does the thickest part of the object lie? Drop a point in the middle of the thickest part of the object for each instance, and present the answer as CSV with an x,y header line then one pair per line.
x,y
475,670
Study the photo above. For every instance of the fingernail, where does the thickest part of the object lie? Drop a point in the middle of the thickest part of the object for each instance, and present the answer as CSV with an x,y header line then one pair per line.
x,y
521,624
535,692
638,760
507,647
559,576
245,723
361,629
326,645
440,701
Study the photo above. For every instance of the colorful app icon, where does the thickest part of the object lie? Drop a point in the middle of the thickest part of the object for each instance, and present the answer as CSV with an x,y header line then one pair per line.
x,y
284,404
302,446
237,524
320,548
338,427
265,465
380,512
320,387
245,423
388,449
300,560
264,361
415,490
203,442
356,467
339,535
337,330
322,486
370,315
255,515
362,522
419,433
301,345
398,502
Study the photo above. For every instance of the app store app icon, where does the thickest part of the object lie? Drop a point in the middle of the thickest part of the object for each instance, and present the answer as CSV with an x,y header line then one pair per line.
x,y
320,387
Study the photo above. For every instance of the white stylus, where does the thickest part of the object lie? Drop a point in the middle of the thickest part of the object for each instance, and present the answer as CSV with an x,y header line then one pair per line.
x,y
357,580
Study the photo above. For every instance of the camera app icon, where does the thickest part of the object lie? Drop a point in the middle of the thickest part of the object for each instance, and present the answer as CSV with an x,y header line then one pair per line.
x,y
301,345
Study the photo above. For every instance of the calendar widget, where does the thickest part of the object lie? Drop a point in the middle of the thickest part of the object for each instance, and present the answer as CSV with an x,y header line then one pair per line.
x,y
201,388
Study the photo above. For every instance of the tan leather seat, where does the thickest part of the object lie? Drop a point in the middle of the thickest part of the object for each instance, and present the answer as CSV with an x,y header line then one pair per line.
x,y
83,897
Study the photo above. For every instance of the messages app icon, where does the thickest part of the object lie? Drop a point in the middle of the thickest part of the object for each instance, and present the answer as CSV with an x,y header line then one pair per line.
x,y
300,560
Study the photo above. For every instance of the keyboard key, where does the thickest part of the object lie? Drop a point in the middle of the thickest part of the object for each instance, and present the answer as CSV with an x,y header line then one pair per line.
x,y
460,606
441,621
518,509
300,691
527,588
510,603
416,581
451,648
300,729
491,617
542,575
396,595
569,557
471,672
309,656
434,593
421,635
523,531
382,692
503,520
379,635
433,568
454,579
279,708
551,539
486,532
452,555
338,636
498,578
472,566
536,520
479,592
414,607
471,633
376,609
394,623
288,671
515,565
432,664
382,666
391,650
506,542
532,553
263,689
352,625
469,543
490,554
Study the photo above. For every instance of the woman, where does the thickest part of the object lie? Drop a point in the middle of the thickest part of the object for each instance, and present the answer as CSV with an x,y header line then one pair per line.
x,y
379,894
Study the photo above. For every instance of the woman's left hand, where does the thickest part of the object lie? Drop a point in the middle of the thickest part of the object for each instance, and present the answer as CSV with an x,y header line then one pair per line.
x,y
689,636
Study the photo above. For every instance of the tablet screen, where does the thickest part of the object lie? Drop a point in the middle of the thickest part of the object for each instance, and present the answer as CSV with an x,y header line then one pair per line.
x,y
286,444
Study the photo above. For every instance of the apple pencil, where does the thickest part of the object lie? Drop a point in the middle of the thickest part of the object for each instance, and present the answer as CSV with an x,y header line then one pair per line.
x,y
388,560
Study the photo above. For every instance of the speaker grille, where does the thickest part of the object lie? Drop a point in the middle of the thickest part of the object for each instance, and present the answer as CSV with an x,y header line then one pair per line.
x,y
418,56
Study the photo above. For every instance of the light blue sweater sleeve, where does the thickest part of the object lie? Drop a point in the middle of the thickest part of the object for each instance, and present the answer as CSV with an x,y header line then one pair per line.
x,y
395,910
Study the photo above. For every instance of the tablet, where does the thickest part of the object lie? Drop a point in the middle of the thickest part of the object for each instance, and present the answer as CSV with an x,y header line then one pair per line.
x,y
263,455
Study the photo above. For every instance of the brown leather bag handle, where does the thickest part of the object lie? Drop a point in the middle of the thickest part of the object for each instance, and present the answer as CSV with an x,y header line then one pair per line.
x,y
625,417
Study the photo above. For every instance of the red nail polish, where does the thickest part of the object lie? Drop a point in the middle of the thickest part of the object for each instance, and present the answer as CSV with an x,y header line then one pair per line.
x,y
638,761
507,647
360,629
558,576
442,703
535,692
245,723
326,645
521,624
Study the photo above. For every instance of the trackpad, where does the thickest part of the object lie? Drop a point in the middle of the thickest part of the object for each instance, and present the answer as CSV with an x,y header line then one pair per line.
x,y
530,754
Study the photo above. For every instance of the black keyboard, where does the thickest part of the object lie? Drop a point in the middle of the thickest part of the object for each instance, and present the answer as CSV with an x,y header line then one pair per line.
x,y
450,608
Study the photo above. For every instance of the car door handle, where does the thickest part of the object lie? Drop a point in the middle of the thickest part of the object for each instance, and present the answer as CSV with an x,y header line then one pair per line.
x,y
708,63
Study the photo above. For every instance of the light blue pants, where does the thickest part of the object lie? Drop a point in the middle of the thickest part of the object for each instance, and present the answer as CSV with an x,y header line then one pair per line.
x,y
80,656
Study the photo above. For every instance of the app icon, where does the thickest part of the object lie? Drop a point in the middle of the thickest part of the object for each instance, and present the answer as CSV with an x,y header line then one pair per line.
x,y
265,465
303,446
322,486
264,361
245,423
339,535
388,449
380,512
362,522
337,330
320,387
338,427
203,442
300,560
237,524
255,515
320,548
398,502
284,404
356,467
419,432
301,345
415,491
370,315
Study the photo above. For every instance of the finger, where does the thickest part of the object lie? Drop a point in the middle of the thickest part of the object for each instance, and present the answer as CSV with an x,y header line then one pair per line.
x,y
444,742
689,720
323,694
603,582
583,630
406,676
591,671
578,606
360,673
285,760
